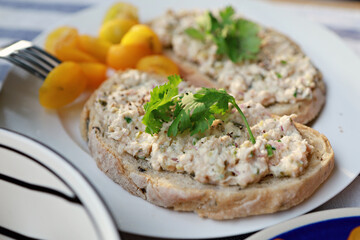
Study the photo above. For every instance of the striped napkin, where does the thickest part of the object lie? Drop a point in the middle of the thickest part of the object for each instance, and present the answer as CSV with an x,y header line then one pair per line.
x,y
26,19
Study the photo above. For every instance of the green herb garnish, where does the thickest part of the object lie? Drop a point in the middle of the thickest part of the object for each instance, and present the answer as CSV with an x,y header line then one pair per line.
x,y
270,149
295,93
283,62
194,33
235,37
158,109
193,112
278,75
128,120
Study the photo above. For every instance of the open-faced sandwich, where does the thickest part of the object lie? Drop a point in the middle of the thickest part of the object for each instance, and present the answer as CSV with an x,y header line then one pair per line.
x,y
200,149
251,62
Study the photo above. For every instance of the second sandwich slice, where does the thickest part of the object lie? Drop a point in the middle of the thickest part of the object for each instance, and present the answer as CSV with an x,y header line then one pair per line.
x,y
219,49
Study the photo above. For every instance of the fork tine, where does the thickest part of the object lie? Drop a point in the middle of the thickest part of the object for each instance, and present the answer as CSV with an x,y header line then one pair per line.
x,y
46,54
31,59
33,54
26,67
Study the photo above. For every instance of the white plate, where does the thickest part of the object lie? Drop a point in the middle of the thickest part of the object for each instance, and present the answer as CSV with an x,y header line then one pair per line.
x,y
19,109
329,224
45,197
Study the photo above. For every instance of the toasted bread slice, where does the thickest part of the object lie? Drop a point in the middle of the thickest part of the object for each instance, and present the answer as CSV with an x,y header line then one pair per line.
x,y
275,49
181,192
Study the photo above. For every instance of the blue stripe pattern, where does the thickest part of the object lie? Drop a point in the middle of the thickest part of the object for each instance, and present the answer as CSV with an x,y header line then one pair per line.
x,y
18,34
14,34
346,32
53,6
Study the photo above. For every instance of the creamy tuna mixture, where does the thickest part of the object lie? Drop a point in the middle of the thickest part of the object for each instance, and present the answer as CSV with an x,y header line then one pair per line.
x,y
222,155
281,73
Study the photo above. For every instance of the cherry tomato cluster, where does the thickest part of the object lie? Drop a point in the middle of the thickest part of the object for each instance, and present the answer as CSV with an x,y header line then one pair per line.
x,y
122,43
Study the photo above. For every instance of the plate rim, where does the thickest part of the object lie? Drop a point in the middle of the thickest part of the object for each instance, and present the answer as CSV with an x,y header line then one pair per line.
x,y
304,220
28,140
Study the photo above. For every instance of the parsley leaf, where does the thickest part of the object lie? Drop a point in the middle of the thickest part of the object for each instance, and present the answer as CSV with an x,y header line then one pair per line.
x,y
158,109
236,38
194,112
199,108
226,14
194,33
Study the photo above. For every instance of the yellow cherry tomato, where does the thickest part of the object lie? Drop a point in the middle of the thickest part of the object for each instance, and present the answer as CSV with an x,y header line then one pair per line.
x,y
158,64
123,11
123,57
62,85
94,46
95,73
354,234
69,53
142,35
62,36
114,30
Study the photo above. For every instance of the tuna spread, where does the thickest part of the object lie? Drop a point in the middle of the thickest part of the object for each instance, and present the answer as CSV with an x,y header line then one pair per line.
x,y
221,155
280,74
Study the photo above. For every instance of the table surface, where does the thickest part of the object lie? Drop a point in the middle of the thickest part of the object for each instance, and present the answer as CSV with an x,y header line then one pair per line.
x,y
342,17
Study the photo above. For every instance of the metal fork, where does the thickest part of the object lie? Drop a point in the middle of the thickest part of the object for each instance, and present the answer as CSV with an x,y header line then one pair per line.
x,y
30,58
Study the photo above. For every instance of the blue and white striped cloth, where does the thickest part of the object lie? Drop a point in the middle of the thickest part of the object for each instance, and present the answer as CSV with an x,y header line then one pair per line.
x,y
26,19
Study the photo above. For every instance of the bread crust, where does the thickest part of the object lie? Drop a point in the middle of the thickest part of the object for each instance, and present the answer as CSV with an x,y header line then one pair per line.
x,y
182,193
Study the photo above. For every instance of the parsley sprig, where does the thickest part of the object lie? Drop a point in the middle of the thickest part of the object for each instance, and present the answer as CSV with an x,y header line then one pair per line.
x,y
236,38
158,109
193,112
